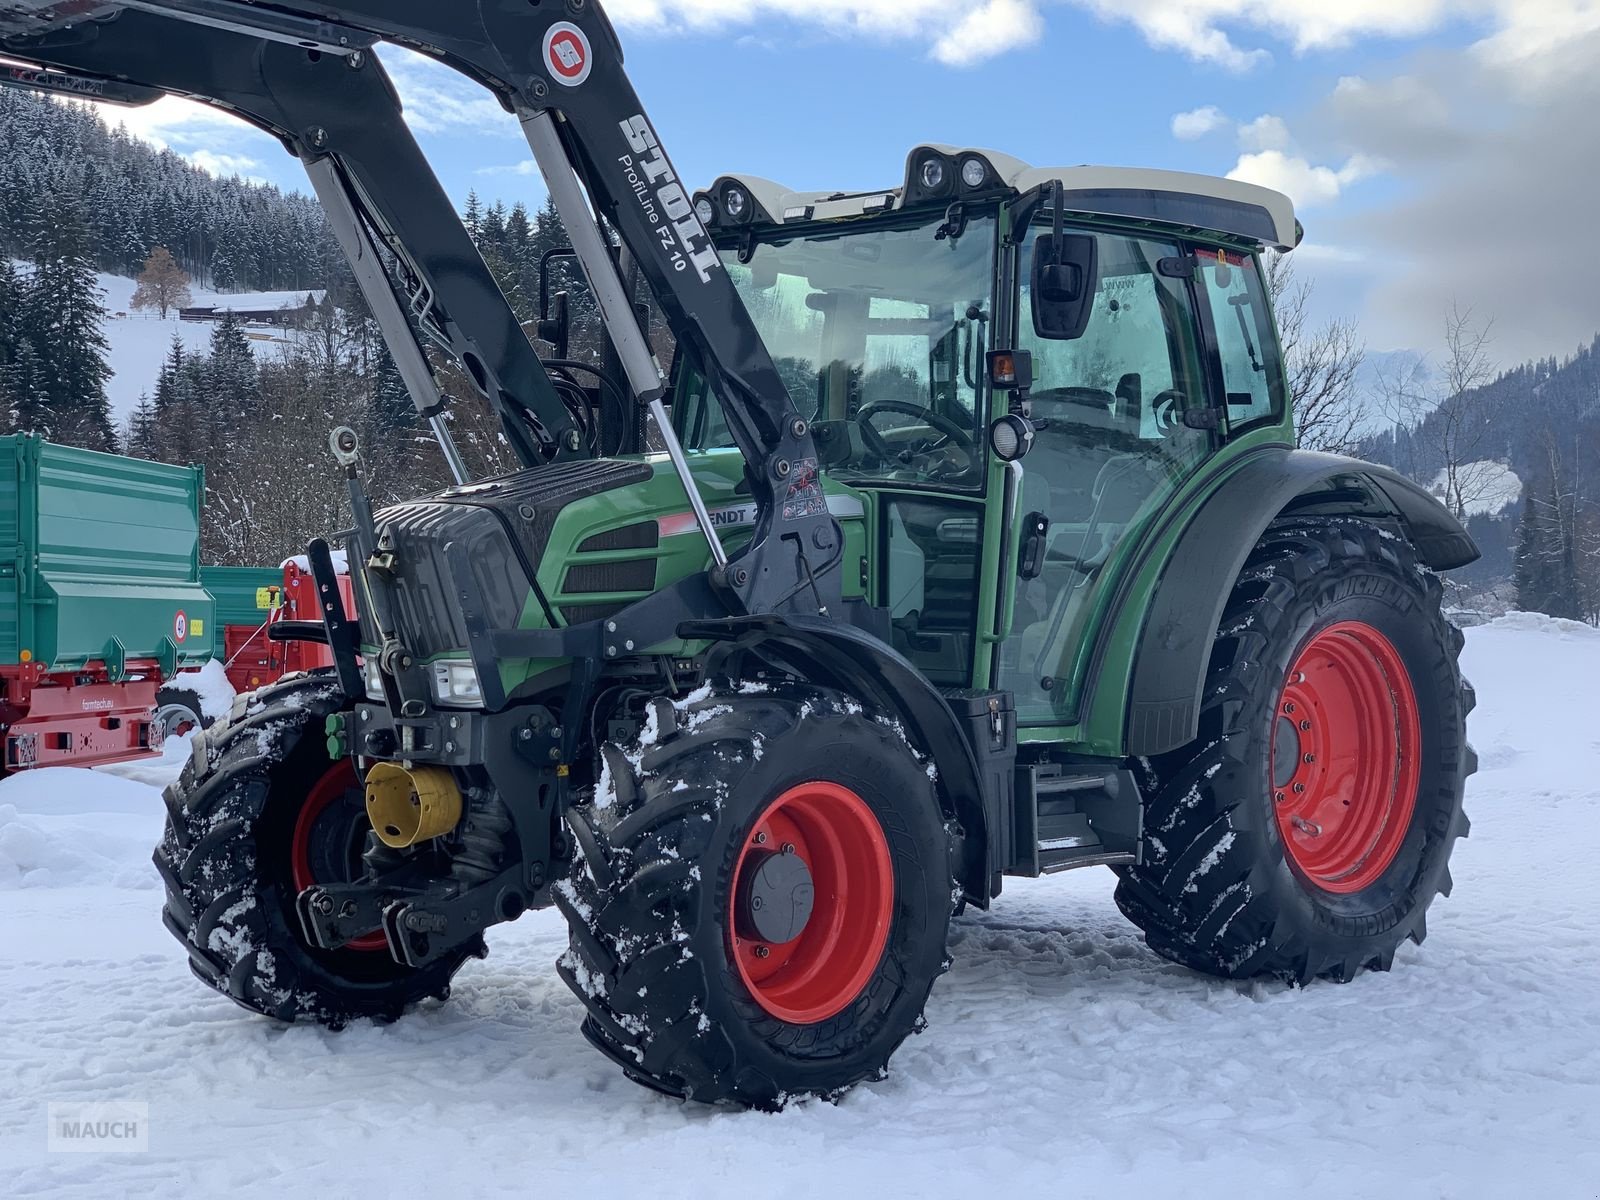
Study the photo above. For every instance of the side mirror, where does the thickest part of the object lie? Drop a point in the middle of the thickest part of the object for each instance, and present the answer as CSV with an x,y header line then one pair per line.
x,y
554,328
1066,276
557,329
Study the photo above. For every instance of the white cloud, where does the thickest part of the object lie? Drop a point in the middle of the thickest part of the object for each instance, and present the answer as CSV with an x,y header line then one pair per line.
x,y
439,100
215,141
998,26
1265,133
219,164
1540,27
1307,184
1490,147
1212,30
974,32
1197,123
1205,29
1226,33
526,167
1326,253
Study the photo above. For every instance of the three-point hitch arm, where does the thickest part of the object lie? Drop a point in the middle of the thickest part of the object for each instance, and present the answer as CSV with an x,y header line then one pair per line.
x,y
305,71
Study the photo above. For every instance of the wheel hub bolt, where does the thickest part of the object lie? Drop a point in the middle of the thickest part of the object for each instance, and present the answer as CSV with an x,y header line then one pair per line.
x,y
761,838
1311,758
1305,725
787,847
1280,797
1299,789
1289,707
762,952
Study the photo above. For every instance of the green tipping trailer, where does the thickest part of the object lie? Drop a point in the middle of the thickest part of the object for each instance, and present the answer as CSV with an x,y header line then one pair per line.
x,y
245,598
100,599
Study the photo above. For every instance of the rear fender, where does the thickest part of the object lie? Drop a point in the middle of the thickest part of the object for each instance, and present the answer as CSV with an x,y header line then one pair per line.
x,y
1169,666
851,660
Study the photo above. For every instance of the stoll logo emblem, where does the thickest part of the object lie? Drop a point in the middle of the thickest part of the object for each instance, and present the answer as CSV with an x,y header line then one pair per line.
x,y
98,1127
567,54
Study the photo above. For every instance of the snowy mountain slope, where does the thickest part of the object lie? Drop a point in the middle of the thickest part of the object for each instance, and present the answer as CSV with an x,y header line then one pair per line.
x,y
1062,1057
140,340
1489,487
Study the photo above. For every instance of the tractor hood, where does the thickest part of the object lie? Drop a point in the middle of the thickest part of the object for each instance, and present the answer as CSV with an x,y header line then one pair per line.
x,y
504,525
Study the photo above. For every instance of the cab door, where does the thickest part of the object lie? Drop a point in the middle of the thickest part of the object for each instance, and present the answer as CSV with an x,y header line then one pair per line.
x,y
1125,419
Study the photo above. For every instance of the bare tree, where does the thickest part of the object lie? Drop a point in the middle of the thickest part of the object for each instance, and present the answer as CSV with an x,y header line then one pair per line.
x,y
1322,363
1448,412
163,284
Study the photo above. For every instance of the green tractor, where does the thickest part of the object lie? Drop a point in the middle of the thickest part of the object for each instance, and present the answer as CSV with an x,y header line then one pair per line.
x,y
976,545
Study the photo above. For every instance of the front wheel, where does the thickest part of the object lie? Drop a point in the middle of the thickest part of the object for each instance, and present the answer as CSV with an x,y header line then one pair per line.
x,y
1307,830
260,814
761,898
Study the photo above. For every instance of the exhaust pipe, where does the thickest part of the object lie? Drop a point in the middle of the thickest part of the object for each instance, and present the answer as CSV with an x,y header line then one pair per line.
x,y
407,808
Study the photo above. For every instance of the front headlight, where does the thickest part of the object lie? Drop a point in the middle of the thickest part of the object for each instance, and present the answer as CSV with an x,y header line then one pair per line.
x,y
373,674
455,684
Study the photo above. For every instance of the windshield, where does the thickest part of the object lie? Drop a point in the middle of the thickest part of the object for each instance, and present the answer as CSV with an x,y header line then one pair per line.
x,y
879,336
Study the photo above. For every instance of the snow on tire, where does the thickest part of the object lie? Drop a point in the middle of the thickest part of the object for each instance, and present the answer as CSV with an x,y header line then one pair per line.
x,y
1306,831
760,899
259,813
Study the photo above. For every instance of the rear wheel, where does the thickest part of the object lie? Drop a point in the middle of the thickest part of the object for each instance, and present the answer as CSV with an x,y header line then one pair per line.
x,y
761,898
1307,830
259,814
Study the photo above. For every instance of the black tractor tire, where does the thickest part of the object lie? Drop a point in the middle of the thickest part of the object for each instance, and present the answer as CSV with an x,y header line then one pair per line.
x,y
657,932
1234,882
178,711
234,836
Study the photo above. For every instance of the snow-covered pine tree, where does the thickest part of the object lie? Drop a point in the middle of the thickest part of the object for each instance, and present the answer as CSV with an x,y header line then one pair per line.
x,y
1531,572
24,401
143,436
62,317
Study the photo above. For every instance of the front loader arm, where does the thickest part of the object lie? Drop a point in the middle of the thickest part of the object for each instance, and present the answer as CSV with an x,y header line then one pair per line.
x,y
559,68
340,116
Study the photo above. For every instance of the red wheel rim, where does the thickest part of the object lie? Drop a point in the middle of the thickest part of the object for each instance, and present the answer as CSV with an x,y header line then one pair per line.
x,y
316,820
1345,757
823,970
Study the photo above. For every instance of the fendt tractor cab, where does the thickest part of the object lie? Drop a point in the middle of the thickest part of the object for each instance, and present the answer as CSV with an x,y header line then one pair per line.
x,y
979,548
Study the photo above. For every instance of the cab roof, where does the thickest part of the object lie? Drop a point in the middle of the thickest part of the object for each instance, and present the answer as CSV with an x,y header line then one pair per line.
x,y
1197,203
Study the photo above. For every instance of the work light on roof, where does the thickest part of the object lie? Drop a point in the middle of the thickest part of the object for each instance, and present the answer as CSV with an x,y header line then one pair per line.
x,y
932,174
735,202
974,172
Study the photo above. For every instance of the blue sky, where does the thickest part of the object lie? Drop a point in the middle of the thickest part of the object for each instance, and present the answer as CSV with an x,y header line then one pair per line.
x,y
1380,118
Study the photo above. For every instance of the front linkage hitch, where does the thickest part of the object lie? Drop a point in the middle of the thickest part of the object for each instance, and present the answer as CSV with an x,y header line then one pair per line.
x,y
425,917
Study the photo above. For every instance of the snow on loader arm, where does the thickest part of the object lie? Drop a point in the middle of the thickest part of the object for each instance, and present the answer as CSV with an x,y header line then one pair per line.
x,y
1012,568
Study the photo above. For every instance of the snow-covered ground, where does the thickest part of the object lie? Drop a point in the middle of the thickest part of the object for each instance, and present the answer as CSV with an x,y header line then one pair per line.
x,y
1486,488
1062,1057
139,341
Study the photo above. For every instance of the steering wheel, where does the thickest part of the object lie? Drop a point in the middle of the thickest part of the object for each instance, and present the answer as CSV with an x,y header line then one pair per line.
x,y
939,424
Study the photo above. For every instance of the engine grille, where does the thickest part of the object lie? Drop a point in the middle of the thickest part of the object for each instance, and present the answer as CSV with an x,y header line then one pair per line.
x,y
504,527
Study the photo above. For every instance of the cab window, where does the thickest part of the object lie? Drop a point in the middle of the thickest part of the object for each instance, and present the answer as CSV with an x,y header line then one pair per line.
x,y
878,334
1247,343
